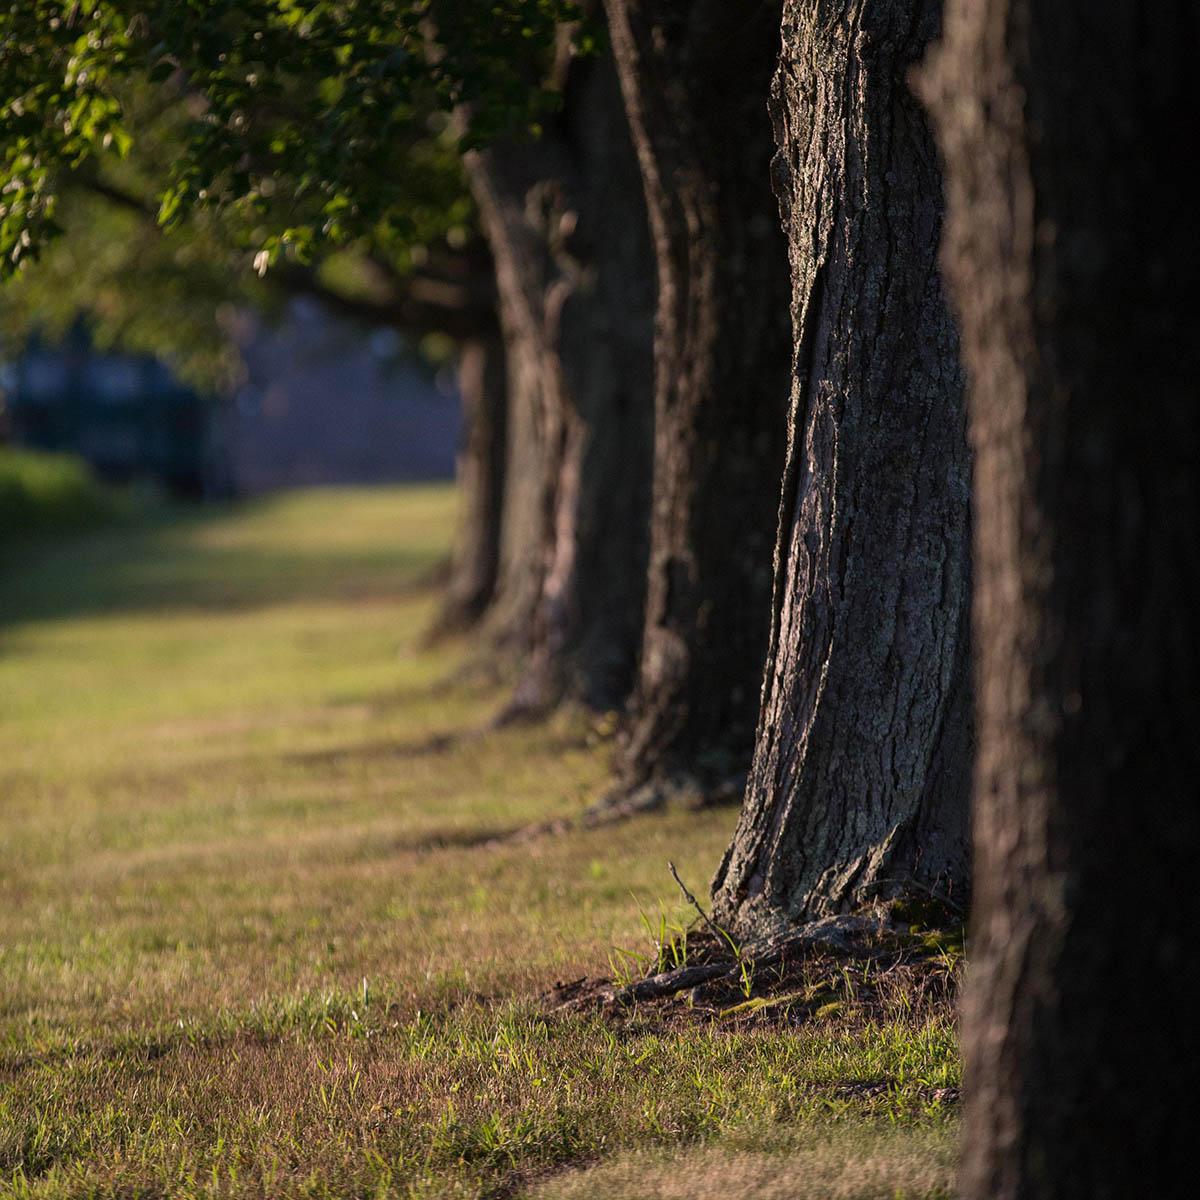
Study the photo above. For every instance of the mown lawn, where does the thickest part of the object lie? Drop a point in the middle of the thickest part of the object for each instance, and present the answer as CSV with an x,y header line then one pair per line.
x,y
261,933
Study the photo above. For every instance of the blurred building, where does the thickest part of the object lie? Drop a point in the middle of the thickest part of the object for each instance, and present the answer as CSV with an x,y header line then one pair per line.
x,y
324,404
321,403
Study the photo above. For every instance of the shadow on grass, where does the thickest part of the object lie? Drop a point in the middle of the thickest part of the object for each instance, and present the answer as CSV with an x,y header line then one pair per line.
x,y
382,750
181,559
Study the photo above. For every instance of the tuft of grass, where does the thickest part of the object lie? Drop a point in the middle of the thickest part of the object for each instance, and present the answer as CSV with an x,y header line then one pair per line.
x,y
260,935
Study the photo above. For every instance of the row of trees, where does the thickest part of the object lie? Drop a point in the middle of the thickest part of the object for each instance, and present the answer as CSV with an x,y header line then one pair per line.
x,y
659,564
753,533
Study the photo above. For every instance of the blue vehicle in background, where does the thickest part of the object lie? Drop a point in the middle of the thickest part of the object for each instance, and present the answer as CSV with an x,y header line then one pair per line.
x,y
317,402
124,414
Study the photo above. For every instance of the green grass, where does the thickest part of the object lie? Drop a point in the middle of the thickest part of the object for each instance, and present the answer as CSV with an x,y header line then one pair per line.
x,y
257,939
43,494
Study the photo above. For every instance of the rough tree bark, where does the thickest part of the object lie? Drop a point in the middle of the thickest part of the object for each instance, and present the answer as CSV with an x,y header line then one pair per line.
x,y
861,773
1074,253
695,78
566,222
475,562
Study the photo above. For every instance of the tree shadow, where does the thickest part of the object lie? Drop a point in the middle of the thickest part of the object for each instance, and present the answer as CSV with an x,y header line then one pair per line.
x,y
171,563
382,750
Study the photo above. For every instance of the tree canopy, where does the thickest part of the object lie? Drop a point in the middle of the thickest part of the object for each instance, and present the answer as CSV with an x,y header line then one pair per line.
x,y
300,122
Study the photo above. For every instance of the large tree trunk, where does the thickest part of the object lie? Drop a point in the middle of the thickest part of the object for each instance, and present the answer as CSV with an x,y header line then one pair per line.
x,y
1074,252
695,78
475,561
860,780
566,223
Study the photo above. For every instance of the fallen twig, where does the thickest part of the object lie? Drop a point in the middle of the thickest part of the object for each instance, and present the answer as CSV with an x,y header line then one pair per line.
x,y
722,935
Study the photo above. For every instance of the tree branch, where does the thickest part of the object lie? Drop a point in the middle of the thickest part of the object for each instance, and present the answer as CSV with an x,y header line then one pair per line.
x,y
418,303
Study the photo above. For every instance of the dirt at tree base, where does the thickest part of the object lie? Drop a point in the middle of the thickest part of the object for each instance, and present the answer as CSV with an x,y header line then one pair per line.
x,y
856,969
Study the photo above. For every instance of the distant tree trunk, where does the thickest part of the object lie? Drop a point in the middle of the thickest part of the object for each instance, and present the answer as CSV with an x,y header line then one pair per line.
x,y
522,545
475,561
453,297
566,222
1074,255
861,775
695,79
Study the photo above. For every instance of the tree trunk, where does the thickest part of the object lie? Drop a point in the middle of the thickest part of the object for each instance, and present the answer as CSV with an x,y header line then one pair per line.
x,y
565,219
481,458
695,78
1074,251
860,780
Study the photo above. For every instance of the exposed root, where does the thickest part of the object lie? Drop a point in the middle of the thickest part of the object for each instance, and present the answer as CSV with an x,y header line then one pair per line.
x,y
456,618
618,806
522,710
863,962
690,792
621,803
531,833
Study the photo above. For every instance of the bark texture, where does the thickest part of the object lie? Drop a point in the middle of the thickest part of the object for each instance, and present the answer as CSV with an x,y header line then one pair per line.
x,y
695,78
861,774
1074,257
475,562
565,219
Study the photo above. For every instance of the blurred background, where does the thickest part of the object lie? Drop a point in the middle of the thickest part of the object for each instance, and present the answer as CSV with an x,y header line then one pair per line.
x,y
314,400
121,363
164,358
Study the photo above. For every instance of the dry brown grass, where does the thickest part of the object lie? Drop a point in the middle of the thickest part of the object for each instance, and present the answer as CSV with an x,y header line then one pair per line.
x,y
827,1165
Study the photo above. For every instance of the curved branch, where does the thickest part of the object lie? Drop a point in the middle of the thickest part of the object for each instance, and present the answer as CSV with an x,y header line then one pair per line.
x,y
461,308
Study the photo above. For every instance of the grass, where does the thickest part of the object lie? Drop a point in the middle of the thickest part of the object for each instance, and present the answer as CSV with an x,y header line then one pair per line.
x,y
260,933
44,494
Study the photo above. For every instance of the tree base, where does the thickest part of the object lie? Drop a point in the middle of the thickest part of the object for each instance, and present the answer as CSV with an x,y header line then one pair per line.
x,y
690,792
866,966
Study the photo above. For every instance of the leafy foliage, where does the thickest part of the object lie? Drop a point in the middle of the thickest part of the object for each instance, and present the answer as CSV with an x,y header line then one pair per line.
x,y
142,290
307,120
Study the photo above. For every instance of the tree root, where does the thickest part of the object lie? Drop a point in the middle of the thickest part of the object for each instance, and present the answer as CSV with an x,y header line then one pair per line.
x,y
731,967
691,792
